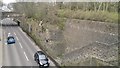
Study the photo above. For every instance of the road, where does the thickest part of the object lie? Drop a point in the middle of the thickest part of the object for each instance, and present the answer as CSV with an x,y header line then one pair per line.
x,y
0,46
21,53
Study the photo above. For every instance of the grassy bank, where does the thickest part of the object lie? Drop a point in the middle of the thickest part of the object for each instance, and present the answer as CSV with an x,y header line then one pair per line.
x,y
103,16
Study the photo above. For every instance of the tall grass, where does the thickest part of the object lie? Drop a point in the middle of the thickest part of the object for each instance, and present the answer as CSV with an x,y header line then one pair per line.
x,y
103,16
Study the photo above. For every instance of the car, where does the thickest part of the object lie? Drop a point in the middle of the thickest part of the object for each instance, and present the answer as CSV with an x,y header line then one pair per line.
x,y
10,40
41,59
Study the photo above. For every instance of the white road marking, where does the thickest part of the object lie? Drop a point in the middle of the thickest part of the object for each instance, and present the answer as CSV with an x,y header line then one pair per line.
x,y
26,36
20,45
111,34
102,43
26,56
17,38
14,33
20,29
36,47
33,43
5,43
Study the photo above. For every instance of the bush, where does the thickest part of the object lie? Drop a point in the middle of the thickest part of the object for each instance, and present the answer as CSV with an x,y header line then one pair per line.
x,y
65,13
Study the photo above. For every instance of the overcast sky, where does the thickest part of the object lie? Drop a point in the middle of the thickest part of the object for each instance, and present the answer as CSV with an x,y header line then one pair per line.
x,y
8,1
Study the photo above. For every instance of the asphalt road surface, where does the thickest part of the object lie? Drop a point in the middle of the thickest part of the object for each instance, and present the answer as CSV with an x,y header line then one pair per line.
x,y
22,52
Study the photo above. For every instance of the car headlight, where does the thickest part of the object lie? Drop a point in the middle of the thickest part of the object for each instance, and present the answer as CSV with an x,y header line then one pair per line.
x,y
46,65
41,63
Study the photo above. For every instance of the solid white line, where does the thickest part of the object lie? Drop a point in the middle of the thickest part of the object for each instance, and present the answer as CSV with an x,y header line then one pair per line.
x,y
23,32
14,33
20,45
20,29
27,37
37,48
17,38
26,56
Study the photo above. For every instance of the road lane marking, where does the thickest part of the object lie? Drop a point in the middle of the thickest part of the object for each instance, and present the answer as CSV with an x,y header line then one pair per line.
x,y
24,33
102,43
32,42
111,34
17,38
20,45
26,56
6,43
14,33
36,47
20,29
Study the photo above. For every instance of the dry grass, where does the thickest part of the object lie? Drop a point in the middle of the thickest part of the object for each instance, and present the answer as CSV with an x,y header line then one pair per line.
x,y
103,16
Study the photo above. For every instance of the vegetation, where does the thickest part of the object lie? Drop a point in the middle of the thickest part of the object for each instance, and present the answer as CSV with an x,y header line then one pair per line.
x,y
50,12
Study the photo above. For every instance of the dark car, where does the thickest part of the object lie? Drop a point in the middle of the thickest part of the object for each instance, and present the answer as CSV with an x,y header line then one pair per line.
x,y
41,59
10,40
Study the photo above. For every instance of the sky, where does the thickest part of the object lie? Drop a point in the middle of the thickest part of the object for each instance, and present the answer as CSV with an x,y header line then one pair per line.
x,y
8,1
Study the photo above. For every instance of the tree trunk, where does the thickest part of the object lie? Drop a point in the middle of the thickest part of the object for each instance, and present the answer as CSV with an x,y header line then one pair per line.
x,y
95,6
100,6
107,6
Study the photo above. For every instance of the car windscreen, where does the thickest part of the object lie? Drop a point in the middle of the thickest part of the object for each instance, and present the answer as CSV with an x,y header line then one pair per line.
x,y
10,38
42,57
